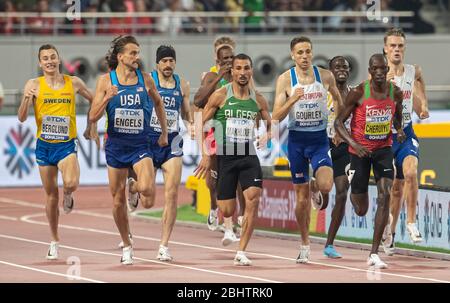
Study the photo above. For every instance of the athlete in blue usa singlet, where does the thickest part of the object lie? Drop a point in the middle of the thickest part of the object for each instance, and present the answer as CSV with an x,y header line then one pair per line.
x,y
128,123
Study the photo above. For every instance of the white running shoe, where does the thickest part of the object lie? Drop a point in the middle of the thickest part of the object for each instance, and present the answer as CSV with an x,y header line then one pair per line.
x,y
121,245
52,253
163,254
317,200
133,199
414,233
303,256
127,255
67,203
229,237
241,259
374,260
213,219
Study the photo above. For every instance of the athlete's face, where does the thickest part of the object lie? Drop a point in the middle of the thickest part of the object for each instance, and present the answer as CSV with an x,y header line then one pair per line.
x,y
166,66
340,69
225,56
378,70
242,71
49,61
130,56
302,54
395,49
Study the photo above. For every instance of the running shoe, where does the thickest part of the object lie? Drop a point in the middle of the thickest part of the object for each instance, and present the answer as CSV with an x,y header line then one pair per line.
x,y
127,255
241,259
414,233
330,252
67,203
213,220
229,237
133,198
303,256
375,261
52,253
163,254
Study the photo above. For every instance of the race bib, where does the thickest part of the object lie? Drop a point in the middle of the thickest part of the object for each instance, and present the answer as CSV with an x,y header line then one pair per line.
x,y
129,121
172,121
55,128
239,130
378,123
308,114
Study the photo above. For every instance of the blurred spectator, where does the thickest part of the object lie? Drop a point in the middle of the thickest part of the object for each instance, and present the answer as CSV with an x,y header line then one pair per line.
x,y
233,6
419,26
40,25
120,25
298,24
253,23
277,24
143,24
8,24
168,23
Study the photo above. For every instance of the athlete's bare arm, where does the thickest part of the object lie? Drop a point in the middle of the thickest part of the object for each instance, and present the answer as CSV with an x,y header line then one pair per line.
x,y
216,100
104,92
330,84
265,116
398,117
352,101
420,100
30,93
283,103
159,108
186,113
91,128
207,87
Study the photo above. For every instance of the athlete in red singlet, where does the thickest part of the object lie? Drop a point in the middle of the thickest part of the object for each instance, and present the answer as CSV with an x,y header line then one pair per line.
x,y
375,105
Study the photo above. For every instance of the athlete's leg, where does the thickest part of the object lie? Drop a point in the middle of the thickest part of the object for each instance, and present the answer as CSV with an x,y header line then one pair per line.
x,y
359,174
70,171
396,201
252,196
49,177
338,212
211,182
411,189
303,210
145,184
241,198
323,182
384,186
117,183
172,177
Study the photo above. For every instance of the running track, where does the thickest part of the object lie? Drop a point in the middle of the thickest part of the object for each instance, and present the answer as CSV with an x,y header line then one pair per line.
x,y
89,238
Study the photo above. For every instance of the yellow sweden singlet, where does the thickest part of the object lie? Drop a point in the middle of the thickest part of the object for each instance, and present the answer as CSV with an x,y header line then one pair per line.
x,y
54,111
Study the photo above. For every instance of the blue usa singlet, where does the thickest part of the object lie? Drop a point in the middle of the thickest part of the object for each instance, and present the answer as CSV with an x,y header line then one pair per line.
x,y
129,111
172,98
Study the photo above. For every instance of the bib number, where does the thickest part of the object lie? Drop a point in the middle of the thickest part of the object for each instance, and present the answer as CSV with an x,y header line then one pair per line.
x,y
172,121
55,128
239,130
129,121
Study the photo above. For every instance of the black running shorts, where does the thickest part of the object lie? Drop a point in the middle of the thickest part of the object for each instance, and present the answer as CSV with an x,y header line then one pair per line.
x,y
231,169
340,157
359,172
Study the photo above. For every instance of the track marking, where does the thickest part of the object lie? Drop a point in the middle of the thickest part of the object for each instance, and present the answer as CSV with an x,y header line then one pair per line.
x,y
50,272
8,218
27,220
142,259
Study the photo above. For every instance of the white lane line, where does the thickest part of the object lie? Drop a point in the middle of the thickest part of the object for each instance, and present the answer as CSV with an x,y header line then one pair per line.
x,y
27,219
71,277
8,218
144,260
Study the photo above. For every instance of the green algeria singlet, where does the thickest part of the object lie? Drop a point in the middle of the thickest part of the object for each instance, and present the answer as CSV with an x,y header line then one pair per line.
x,y
234,124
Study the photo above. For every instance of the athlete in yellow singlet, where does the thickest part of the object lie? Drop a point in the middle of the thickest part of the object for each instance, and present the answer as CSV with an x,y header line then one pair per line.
x,y
53,98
